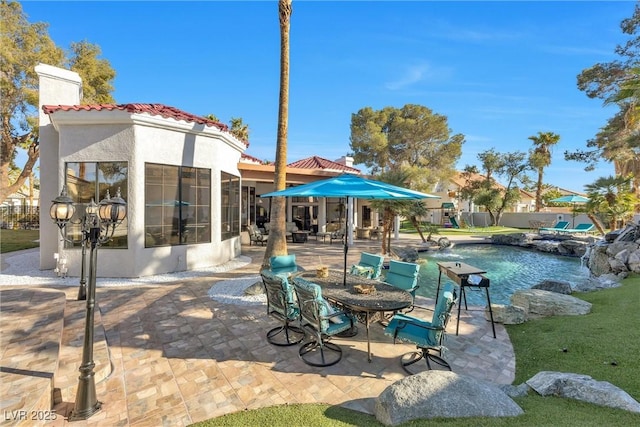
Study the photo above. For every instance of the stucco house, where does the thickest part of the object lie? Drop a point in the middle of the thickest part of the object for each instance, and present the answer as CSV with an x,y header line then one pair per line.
x,y
177,172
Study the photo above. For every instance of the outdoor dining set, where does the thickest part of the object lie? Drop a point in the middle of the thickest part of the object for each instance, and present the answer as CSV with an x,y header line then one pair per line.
x,y
313,306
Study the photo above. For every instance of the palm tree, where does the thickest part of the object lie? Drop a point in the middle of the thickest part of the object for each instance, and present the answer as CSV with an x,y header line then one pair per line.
x,y
540,158
612,197
277,243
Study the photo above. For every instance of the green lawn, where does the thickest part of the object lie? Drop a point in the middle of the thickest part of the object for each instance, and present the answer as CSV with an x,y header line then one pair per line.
x,y
603,344
15,240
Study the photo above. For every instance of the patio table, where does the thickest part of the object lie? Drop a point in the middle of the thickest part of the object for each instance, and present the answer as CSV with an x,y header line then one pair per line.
x,y
367,308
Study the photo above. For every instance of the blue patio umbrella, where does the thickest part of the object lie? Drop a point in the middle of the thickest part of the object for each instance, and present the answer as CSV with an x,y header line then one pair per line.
x,y
349,185
573,199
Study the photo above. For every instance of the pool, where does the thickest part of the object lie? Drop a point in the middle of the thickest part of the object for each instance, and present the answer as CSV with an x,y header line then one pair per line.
x,y
510,268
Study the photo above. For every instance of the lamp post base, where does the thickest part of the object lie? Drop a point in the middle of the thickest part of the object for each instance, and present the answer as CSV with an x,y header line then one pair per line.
x,y
82,292
86,398
85,413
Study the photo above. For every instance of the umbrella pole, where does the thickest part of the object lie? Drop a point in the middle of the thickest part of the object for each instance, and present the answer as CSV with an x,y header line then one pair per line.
x,y
346,245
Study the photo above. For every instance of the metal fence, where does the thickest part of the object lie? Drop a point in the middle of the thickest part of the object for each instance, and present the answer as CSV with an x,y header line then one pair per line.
x,y
20,217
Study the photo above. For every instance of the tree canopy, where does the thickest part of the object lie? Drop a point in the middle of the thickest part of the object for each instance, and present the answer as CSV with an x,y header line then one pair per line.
x,y
23,45
482,188
412,138
616,82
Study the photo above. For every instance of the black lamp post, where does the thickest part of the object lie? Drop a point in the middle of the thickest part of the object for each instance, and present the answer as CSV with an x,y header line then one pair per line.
x,y
98,226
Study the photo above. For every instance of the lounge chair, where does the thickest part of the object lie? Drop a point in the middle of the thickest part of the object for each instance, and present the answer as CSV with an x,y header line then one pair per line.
x,y
582,228
560,225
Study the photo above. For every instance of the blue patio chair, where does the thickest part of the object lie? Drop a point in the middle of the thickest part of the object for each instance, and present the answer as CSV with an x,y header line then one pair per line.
x,y
428,336
369,266
282,306
560,225
403,275
320,321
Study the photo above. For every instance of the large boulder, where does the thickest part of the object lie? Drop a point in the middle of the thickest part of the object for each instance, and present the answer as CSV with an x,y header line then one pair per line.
x,y
538,303
584,388
598,261
512,239
634,261
434,394
558,286
573,247
506,314
405,254
597,283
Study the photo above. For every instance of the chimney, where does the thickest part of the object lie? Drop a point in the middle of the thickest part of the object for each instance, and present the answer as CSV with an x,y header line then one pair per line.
x,y
345,160
56,86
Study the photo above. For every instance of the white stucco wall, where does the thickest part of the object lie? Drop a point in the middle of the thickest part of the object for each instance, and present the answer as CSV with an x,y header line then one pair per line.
x,y
56,86
116,135
138,139
201,147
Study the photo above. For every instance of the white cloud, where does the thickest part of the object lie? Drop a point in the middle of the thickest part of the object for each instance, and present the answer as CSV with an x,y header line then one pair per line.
x,y
413,74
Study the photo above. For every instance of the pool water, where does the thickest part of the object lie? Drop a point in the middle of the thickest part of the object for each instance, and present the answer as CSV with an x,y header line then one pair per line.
x,y
509,268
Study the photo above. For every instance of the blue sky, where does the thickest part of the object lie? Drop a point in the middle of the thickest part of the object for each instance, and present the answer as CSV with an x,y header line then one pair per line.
x,y
500,71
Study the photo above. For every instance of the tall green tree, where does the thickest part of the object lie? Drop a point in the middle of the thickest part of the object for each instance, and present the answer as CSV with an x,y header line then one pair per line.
x,y
277,243
412,138
616,82
485,190
540,158
23,45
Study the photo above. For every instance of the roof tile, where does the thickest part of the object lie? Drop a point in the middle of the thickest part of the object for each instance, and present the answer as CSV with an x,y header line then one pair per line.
x,y
153,109
316,162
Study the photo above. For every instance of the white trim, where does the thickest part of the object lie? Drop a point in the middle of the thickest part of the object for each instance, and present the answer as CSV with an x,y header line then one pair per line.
x,y
110,117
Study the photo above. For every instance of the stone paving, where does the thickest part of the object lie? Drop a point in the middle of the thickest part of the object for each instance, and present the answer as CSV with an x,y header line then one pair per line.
x,y
180,357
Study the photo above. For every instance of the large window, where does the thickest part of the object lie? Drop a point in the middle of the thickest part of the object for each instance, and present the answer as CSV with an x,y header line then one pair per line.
x,y
88,181
177,205
230,206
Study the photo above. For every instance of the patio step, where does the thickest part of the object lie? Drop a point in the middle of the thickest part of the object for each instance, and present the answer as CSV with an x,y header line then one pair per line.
x,y
41,351
31,324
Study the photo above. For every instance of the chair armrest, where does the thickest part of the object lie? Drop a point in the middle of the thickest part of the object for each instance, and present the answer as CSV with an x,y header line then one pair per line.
x,y
428,326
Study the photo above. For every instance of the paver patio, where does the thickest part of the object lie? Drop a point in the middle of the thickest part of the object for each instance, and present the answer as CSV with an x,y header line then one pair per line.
x,y
180,357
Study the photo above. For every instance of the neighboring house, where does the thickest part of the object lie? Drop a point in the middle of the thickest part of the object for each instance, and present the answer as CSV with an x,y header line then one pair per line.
x,y
20,209
451,203
309,213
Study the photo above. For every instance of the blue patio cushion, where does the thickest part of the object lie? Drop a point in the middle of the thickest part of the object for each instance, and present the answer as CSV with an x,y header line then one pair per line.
x,y
403,275
315,309
281,300
362,271
283,264
373,261
560,225
421,332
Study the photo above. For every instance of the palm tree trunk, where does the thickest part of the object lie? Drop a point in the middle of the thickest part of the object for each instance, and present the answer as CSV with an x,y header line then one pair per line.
x,y
596,222
277,243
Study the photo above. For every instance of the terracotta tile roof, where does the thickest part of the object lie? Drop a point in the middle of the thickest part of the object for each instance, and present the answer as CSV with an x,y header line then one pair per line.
x,y
251,159
316,162
153,109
